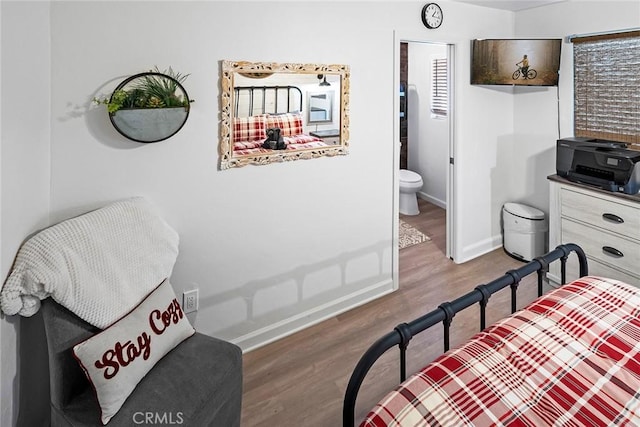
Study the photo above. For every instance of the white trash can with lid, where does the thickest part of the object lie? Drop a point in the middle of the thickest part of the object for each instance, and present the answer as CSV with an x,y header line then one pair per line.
x,y
524,231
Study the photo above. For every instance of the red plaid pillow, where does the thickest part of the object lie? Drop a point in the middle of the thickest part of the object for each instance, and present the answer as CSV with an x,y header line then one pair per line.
x,y
251,128
289,123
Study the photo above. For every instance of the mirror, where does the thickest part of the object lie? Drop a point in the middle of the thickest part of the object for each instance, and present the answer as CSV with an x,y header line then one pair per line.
x,y
271,112
320,106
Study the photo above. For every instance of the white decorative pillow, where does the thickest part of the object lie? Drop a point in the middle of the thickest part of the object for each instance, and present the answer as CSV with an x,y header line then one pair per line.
x,y
116,359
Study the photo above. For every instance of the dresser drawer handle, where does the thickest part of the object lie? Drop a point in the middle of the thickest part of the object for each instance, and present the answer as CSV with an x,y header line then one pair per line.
x,y
612,218
612,251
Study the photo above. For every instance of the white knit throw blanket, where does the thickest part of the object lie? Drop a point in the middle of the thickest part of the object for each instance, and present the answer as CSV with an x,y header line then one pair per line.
x,y
99,265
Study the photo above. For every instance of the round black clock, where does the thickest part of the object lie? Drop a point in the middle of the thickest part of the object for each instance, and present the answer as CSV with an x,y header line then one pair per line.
x,y
431,15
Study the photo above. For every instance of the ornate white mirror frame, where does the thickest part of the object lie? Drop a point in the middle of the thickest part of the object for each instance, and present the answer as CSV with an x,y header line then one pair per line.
x,y
244,122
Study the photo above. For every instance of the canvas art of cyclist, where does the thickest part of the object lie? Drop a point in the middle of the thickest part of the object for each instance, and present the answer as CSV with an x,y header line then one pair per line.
x,y
525,65
517,62
523,68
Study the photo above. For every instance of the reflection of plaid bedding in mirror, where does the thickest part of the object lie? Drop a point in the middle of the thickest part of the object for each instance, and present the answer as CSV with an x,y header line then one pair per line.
x,y
259,108
249,129
250,132
290,124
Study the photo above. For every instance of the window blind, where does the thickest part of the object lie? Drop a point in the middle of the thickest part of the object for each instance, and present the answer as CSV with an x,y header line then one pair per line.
x,y
439,88
607,86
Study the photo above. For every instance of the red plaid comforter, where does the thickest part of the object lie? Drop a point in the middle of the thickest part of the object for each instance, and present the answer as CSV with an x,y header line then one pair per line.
x,y
298,142
571,358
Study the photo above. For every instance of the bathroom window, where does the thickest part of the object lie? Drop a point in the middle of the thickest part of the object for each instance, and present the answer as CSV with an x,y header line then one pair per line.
x,y
439,88
607,86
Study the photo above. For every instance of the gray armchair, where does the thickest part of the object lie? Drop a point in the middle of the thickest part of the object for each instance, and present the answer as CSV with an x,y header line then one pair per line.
x,y
88,271
198,383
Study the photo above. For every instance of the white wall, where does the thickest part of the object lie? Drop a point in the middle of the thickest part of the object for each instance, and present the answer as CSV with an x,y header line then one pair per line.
x,y
481,117
428,151
516,151
531,150
271,248
24,181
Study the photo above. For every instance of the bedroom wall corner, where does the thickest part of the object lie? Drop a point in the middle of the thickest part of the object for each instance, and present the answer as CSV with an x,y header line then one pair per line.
x,y
543,115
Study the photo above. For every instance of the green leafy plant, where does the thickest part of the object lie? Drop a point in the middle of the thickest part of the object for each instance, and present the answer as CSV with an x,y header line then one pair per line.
x,y
148,91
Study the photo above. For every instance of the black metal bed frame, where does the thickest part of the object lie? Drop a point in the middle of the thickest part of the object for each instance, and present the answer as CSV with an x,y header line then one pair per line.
x,y
292,92
445,312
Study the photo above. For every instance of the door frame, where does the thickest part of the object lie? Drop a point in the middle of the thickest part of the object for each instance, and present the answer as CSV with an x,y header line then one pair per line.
x,y
451,217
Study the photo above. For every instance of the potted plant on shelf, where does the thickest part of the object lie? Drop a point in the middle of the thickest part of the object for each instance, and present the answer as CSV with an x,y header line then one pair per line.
x,y
150,106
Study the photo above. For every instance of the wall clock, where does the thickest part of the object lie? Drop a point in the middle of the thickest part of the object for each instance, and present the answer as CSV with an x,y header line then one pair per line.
x,y
432,15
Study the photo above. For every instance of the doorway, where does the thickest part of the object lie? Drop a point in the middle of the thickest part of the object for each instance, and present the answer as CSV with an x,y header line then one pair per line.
x,y
425,124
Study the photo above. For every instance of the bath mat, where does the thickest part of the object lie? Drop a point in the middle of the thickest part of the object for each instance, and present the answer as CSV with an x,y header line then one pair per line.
x,y
409,235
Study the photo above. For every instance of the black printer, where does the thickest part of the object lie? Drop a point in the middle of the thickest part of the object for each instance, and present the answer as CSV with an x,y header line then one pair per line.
x,y
605,164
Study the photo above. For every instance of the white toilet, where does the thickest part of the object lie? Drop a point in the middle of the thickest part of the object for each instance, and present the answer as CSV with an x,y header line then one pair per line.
x,y
410,183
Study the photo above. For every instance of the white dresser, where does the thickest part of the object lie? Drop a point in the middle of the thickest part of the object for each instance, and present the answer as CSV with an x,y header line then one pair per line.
x,y
605,225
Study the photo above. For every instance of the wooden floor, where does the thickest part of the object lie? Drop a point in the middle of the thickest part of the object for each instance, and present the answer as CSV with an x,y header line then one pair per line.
x,y
300,380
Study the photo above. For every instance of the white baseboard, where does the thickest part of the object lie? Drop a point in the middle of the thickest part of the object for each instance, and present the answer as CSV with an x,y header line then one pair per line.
x,y
291,325
440,203
480,248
